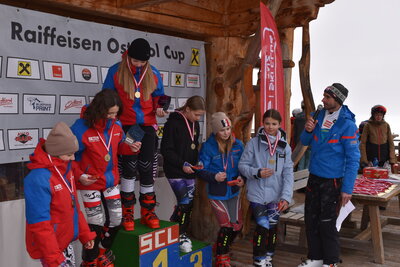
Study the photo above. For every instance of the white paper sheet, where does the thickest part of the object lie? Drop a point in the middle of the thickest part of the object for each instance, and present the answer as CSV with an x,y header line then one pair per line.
x,y
343,213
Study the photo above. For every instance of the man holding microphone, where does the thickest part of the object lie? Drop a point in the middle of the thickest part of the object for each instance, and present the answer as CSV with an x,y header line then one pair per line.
x,y
332,135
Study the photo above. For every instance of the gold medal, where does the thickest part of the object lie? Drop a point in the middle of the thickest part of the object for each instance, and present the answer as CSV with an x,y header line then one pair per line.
x,y
107,157
137,94
271,161
193,146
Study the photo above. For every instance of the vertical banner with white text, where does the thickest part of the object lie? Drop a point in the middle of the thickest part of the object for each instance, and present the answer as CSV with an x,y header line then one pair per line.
x,y
272,80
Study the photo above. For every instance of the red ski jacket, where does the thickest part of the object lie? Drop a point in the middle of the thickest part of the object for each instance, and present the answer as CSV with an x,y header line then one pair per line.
x,y
92,154
136,111
53,215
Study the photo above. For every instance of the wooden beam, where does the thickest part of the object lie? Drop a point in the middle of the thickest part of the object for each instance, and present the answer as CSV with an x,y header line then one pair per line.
x,y
212,5
134,4
108,9
185,11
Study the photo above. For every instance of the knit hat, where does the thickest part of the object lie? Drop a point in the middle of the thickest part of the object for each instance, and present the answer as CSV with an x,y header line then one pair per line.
x,y
61,141
338,92
219,120
139,49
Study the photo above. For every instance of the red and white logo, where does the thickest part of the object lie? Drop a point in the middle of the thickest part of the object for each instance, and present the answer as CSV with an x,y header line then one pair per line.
x,y
23,137
58,187
57,71
6,102
73,104
158,239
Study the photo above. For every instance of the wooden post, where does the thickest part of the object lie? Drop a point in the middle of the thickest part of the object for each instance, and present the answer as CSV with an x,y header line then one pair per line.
x,y
230,61
286,37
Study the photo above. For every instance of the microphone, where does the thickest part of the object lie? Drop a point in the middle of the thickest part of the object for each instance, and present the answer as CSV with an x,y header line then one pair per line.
x,y
319,108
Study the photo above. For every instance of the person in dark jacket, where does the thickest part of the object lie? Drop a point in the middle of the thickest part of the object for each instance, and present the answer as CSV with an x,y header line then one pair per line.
x,y
179,148
220,156
53,215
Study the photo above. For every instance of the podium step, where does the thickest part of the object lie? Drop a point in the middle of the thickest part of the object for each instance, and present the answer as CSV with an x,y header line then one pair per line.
x,y
147,247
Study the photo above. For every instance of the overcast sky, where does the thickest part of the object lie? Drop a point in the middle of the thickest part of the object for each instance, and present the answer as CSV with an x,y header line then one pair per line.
x,y
356,43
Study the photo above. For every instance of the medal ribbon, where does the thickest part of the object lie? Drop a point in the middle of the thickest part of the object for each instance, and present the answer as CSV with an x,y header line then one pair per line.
x,y
225,164
71,189
191,132
137,84
109,141
272,149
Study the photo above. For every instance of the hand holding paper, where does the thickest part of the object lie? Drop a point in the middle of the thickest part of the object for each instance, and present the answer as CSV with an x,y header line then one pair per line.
x,y
343,213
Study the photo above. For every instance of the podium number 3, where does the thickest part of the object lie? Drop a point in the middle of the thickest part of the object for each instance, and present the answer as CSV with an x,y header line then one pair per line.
x,y
199,256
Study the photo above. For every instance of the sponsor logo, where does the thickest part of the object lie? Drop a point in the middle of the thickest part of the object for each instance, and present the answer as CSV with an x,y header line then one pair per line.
x,y
93,139
24,68
92,195
178,79
86,74
58,187
73,104
158,239
23,137
57,71
39,105
6,102
117,134
195,57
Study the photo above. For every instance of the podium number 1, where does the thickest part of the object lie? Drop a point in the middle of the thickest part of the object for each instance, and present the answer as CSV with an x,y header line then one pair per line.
x,y
162,258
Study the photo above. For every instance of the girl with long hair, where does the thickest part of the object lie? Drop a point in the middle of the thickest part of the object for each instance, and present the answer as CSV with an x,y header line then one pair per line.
x,y
139,86
101,140
220,156
179,147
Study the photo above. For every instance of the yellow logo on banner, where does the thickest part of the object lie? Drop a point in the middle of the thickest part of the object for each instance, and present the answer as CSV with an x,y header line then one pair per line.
x,y
160,131
195,59
178,78
24,68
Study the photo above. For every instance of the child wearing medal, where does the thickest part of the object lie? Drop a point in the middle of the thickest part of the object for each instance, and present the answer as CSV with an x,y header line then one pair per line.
x,y
179,147
101,140
53,215
139,86
220,156
266,163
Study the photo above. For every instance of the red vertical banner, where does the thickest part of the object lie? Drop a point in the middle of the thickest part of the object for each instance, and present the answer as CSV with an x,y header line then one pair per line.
x,y
272,87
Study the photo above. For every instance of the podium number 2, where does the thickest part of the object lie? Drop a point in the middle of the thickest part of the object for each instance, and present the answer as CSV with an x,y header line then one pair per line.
x,y
162,258
199,256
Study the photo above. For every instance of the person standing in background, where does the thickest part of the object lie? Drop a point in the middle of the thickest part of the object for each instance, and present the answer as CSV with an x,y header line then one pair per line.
x,y
377,140
139,86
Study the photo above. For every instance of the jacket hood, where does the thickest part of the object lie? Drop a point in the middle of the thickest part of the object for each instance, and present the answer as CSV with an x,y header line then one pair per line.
x,y
347,114
261,133
40,159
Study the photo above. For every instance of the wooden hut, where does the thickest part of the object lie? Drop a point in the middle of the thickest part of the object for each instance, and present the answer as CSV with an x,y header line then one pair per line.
x,y
230,29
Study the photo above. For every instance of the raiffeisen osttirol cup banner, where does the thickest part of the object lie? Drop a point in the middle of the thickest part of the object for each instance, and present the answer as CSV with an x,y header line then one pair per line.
x,y
50,66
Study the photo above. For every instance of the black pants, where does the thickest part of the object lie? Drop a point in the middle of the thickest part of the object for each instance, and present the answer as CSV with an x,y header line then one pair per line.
x,y
321,210
144,160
